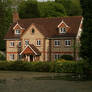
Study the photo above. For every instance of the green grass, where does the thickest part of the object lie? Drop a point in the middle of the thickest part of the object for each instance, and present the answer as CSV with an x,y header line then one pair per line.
x,y
46,82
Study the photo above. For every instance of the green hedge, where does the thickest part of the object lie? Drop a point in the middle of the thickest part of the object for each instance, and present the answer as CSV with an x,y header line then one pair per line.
x,y
58,66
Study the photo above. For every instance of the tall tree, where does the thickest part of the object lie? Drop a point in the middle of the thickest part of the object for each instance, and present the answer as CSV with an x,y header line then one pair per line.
x,y
51,9
28,9
86,38
5,20
72,8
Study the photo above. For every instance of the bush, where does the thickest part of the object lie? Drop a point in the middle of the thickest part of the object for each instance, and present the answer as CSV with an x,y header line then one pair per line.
x,y
67,57
62,66
2,57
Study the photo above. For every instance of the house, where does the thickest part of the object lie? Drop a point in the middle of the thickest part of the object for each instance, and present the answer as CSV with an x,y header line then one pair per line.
x,y
43,39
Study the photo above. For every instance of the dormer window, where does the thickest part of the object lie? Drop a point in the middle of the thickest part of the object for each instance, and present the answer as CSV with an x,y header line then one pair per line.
x,y
62,30
17,31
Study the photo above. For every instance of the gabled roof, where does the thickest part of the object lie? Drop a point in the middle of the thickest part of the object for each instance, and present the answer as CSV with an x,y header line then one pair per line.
x,y
48,26
30,49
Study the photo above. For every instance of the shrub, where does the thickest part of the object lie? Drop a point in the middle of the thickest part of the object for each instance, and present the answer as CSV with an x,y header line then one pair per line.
x,y
62,66
67,57
4,65
2,57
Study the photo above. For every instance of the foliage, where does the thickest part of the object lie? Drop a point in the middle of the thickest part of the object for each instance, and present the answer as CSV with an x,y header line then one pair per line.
x,y
62,66
51,9
72,7
5,20
86,38
67,57
32,8
28,9
2,57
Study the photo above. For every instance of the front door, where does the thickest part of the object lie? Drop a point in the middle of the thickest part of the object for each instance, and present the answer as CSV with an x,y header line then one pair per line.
x,y
31,57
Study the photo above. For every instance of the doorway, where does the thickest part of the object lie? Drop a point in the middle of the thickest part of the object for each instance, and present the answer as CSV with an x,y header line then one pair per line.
x,y
31,57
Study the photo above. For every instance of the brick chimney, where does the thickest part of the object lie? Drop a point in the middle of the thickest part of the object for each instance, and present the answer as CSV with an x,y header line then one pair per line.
x,y
15,16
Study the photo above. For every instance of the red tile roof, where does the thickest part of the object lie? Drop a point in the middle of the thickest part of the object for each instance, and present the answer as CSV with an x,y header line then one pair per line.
x,y
48,26
31,49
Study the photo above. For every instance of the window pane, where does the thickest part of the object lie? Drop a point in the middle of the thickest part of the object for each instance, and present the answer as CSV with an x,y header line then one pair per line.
x,y
20,44
17,31
26,42
33,30
57,42
11,44
68,42
38,42
62,30
11,56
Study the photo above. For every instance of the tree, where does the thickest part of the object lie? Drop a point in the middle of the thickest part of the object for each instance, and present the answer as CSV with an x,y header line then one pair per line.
x,y
86,37
5,20
72,8
28,9
51,9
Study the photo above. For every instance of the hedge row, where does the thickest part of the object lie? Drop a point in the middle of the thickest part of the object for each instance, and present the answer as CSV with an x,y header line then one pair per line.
x,y
59,66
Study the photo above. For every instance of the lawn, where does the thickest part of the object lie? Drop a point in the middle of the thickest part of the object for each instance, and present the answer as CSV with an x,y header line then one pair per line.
x,y
13,81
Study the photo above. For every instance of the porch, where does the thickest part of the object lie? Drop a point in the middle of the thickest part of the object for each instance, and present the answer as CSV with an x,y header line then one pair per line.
x,y
30,53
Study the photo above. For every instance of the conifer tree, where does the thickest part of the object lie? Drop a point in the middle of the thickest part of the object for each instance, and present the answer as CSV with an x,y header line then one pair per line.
x,y
86,37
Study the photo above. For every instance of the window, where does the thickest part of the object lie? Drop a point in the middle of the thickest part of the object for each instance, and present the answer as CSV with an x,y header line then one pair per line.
x,y
33,31
38,42
26,42
62,30
11,44
57,42
67,42
11,56
17,31
57,56
19,43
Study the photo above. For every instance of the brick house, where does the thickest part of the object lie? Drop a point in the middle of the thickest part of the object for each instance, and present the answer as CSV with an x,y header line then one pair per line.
x,y
43,39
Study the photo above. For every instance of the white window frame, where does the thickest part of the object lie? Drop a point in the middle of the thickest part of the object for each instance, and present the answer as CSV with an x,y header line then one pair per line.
x,y
56,42
66,42
12,43
62,30
38,43
57,56
17,31
11,56
26,42
19,44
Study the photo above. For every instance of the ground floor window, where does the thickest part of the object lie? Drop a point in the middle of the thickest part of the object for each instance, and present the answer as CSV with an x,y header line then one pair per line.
x,y
57,56
11,56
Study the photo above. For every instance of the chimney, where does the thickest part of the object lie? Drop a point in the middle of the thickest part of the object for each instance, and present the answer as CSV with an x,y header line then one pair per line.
x,y
15,16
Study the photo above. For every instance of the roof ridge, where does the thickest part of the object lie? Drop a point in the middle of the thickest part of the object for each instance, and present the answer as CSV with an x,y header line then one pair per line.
x,y
49,17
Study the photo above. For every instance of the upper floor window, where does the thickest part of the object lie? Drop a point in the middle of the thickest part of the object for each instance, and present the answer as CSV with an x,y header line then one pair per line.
x,y
62,30
17,31
12,44
19,44
11,56
26,42
33,31
68,42
38,42
57,42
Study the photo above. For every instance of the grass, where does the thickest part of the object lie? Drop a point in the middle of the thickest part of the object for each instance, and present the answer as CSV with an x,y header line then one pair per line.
x,y
41,82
